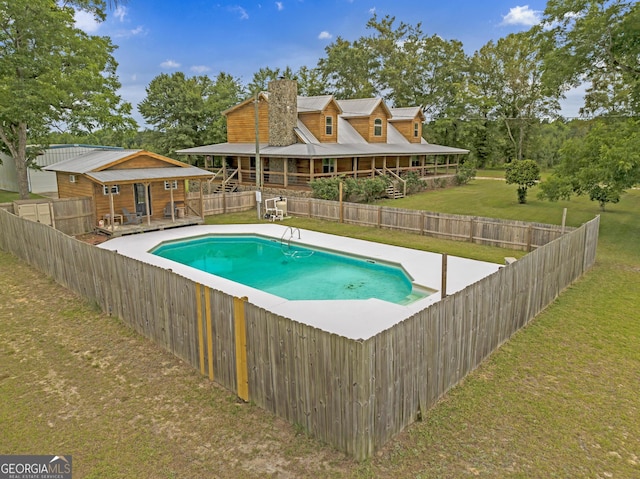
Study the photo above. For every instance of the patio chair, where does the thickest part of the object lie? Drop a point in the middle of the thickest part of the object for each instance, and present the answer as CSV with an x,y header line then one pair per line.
x,y
167,211
130,218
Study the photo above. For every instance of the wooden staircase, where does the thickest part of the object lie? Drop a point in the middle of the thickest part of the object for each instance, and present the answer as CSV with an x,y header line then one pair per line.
x,y
228,187
393,191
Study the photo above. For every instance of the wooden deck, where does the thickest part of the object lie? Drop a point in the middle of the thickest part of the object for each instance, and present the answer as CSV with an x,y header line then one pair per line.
x,y
155,225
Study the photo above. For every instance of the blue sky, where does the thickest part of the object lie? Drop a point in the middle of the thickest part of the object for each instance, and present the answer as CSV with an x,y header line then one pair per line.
x,y
240,37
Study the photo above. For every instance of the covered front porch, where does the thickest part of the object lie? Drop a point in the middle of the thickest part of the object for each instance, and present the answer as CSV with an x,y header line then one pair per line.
x,y
231,171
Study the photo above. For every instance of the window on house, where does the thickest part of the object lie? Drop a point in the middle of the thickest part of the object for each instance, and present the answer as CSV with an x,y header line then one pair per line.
x,y
328,165
115,189
377,127
415,161
416,130
171,185
328,125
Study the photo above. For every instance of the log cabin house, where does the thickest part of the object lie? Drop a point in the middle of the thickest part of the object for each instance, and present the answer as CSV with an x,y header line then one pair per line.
x,y
300,139
129,187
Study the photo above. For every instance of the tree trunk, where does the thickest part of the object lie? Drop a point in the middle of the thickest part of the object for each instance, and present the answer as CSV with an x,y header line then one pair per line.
x,y
16,142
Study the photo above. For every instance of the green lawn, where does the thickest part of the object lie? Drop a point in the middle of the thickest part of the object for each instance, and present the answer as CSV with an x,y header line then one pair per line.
x,y
9,196
560,399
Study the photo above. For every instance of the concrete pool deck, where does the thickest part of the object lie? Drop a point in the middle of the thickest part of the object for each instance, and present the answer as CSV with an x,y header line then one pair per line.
x,y
355,319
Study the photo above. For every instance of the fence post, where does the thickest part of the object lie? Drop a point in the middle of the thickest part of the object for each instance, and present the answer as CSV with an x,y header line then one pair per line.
x,y
341,206
200,329
564,220
242,373
443,288
379,216
471,229
207,312
529,237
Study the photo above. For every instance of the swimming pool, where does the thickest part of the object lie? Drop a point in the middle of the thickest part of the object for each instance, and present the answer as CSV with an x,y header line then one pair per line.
x,y
356,319
292,271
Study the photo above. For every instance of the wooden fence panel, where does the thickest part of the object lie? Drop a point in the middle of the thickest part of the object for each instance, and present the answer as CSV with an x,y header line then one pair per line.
x,y
487,231
74,216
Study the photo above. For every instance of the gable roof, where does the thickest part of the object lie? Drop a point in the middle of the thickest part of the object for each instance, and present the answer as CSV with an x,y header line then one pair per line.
x,y
406,113
95,164
361,107
307,104
97,160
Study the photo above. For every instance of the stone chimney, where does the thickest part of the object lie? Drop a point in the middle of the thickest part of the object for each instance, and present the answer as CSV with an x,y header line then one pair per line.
x,y
283,112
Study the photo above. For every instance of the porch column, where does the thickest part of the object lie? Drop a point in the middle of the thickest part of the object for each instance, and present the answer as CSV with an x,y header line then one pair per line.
x,y
202,201
173,219
311,169
239,169
354,165
397,165
146,201
286,171
384,164
111,208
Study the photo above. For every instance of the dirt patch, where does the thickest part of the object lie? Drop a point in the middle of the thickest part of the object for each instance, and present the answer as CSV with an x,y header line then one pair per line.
x,y
92,238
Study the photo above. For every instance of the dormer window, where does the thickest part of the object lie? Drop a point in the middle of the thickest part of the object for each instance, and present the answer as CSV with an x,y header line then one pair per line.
x,y
377,127
328,125
416,130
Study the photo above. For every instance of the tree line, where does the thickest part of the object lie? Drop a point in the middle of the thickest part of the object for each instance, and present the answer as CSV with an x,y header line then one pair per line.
x,y
501,102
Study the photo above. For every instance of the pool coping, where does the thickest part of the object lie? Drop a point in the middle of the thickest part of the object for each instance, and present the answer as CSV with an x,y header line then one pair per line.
x,y
355,319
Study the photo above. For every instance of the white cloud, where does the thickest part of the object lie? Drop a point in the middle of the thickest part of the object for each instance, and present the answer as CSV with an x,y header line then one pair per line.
x,y
279,6
136,32
241,11
170,64
86,22
522,16
120,12
372,10
325,36
200,69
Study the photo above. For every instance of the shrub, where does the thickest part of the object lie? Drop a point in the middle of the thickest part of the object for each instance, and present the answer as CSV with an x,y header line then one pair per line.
x,y
466,172
525,174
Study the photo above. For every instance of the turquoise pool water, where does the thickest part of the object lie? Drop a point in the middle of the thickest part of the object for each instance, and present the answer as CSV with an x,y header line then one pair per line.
x,y
291,271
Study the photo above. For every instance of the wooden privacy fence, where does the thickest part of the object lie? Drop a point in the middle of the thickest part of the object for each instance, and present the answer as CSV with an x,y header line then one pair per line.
x,y
353,394
512,234
519,235
72,216
222,203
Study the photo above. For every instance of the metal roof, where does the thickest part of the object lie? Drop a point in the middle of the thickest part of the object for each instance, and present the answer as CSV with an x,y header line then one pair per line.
x,y
93,160
324,150
304,133
407,113
151,174
308,104
394,136
347,133
360,107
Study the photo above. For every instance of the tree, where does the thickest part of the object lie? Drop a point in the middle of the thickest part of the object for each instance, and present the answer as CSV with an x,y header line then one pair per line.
x,y
53,74
602,164
264,76
525,174
506,80
310,82
188,111
349,68
596,41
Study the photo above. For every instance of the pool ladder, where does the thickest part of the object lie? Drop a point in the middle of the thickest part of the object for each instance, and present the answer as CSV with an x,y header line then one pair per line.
x,y
285,244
